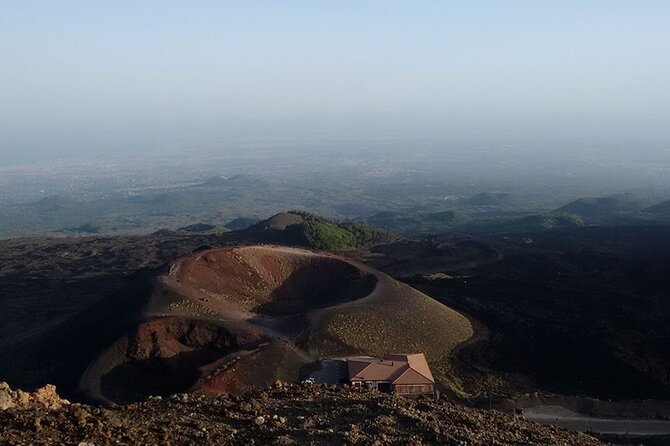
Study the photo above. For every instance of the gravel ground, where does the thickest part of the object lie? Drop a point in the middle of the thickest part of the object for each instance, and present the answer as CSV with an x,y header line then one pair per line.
x,y
281,415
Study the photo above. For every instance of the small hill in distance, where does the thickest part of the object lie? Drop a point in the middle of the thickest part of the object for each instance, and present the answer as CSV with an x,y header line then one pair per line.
x,y
293,228
240,223
54,203
661,209
597,206
305,229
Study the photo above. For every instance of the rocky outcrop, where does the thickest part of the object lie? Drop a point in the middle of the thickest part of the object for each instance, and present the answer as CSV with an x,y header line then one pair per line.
x,y
45,398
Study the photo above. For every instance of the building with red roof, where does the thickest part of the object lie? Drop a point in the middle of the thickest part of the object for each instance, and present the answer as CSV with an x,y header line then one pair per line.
x,y
402,373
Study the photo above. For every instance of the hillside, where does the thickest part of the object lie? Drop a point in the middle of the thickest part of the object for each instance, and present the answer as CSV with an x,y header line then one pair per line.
x,y
593,280
555,299
531,223
283,414
661,209
597,206
239,223
313,231
278,222
92,289
538,304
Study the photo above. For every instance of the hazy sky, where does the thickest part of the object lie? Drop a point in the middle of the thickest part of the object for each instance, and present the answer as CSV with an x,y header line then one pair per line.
x,y
88,77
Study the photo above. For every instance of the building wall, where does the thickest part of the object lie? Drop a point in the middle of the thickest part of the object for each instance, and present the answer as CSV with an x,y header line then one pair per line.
x,y
404,389
414,388
373,384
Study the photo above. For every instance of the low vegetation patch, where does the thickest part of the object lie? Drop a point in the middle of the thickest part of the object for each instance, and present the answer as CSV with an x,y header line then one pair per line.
x,y
320,233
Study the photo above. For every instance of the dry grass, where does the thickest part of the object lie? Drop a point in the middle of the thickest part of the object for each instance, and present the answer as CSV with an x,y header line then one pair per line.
x,y
400,319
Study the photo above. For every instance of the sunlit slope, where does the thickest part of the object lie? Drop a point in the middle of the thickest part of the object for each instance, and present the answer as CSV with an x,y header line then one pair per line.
x,y
339,307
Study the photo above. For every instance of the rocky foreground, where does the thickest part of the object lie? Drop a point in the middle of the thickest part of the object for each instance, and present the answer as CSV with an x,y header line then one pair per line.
x,y
282,415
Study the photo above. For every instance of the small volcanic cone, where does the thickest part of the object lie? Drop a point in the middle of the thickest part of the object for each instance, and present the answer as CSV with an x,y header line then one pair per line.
x,y
230,319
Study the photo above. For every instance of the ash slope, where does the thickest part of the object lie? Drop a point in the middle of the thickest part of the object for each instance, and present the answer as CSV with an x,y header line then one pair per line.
x,y
284,415
227,319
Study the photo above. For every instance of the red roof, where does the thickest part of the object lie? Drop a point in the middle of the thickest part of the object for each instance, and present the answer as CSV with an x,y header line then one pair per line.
x,y
397,368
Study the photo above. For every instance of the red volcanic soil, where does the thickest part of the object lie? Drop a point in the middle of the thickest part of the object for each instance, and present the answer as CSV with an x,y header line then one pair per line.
x,y
270,280
162,355
241,372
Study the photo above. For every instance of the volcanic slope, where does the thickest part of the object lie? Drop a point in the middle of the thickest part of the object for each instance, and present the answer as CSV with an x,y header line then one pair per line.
x,y
280,415
271,302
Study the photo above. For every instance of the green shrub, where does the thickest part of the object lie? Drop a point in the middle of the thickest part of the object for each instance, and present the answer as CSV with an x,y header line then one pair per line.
x,y
321,235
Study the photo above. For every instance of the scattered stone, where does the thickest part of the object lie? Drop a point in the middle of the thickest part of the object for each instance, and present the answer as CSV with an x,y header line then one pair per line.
x,y
319,414
5,396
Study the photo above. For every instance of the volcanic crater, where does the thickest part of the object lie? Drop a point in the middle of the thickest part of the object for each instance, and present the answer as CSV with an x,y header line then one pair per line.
x,y
229,319
270,280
